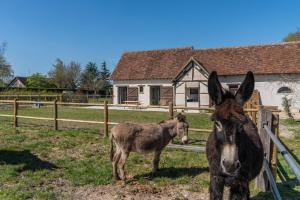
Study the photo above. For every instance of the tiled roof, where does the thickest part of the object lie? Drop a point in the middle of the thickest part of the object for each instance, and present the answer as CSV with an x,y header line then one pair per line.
x,y
166,64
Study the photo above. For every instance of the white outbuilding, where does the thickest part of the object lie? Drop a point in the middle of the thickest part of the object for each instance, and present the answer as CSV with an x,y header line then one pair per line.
x,y
158,77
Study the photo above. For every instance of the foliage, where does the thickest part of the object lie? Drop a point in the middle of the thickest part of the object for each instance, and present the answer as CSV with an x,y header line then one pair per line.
x,y
294,36
65,76
38,80
6,72
287,107
90,78
70,76
57,74
105,75
26,91
73,70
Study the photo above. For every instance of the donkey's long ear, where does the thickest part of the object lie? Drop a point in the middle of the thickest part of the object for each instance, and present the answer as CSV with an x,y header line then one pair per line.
x,y
181,118
215,89
246,89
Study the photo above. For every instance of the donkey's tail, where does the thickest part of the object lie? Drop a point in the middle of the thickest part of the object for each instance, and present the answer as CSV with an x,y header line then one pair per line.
x,y
111,154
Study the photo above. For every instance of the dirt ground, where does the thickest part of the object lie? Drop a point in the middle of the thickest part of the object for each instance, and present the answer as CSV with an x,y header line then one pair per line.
x,y
137,192
132,191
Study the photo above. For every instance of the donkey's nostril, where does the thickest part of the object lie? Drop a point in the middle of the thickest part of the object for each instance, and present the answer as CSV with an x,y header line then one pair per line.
x,y
238,165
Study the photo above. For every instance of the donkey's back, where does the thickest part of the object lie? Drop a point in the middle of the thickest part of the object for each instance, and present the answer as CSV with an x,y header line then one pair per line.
x,y
140,138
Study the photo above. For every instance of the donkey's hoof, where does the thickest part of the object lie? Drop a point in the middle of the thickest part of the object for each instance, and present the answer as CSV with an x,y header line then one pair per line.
x,y
150,176
123,178
117,178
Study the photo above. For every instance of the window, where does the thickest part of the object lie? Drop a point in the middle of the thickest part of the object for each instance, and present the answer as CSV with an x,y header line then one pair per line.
x,y
193,95
141,88
284,90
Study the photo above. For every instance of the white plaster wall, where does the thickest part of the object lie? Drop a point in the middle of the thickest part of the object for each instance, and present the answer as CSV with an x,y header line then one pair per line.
x,y
144,98
180,90
192,104
180,95
268,85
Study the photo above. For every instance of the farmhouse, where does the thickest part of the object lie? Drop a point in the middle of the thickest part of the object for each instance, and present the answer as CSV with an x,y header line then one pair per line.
x,y
18,82
179,75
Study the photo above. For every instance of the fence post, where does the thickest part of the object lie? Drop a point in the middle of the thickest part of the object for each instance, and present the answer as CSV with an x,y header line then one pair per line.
x,y
254,114
171,110
275,130
15,113
264,118
105,119
55,115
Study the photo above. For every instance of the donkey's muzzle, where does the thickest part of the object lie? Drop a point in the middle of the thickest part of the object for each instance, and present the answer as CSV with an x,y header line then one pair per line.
x,y
230,167
184,140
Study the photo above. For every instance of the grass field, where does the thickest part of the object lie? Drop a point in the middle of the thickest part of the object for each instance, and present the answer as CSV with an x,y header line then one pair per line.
x,y
38,163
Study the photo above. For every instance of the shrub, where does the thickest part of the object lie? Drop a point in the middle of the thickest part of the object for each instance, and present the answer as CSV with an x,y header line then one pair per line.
x,y
286,104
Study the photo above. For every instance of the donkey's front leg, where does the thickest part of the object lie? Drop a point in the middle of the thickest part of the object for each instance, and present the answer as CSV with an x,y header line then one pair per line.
x,y
216,187
240,191
122,162
155,162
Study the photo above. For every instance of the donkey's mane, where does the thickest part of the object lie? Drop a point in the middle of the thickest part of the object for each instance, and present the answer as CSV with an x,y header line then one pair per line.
x,y
228,95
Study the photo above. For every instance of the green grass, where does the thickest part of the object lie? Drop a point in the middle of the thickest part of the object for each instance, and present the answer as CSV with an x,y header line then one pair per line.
x,y
35,161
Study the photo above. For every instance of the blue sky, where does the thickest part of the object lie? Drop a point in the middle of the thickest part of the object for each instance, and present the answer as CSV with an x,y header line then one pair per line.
x,y
39,31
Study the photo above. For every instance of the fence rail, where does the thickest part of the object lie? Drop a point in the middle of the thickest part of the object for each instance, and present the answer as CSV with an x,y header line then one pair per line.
x,y
284,152
15,103
65,97
271,179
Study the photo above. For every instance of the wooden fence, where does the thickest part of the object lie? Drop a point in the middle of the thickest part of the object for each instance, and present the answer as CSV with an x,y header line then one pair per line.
x,y
105,107
268,128
266,117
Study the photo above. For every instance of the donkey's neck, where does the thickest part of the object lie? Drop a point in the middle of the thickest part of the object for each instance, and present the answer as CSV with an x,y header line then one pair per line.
x,y
169,127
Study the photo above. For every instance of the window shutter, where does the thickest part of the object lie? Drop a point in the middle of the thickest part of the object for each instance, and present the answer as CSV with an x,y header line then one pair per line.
x,y
132,94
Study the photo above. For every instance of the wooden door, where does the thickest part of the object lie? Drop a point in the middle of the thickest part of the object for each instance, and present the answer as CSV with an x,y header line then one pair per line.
x,y
166,95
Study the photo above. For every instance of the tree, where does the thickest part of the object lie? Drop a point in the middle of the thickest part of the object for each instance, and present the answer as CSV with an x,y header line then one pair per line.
x,y
90,78
57,74
73,75
6,72
294,36
104,75
38,80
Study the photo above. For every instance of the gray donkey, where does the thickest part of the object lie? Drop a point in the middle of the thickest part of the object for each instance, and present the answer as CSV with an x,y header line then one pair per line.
x,y
144,138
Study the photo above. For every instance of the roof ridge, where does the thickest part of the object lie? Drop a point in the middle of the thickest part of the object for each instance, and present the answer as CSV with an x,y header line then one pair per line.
x,y
250,46
162,49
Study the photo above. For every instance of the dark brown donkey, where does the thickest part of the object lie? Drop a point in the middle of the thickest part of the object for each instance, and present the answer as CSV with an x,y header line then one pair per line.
x,y
234,150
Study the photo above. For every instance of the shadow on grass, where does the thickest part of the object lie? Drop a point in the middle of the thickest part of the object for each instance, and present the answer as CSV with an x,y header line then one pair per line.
x,y
263,196
191,142
31,162
173,172
284,177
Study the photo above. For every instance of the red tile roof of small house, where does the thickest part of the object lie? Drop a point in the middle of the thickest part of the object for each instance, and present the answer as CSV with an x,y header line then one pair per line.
x,y
167,63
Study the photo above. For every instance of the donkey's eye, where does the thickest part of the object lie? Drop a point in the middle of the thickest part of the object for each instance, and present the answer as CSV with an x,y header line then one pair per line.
x,y
218,125
240,127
